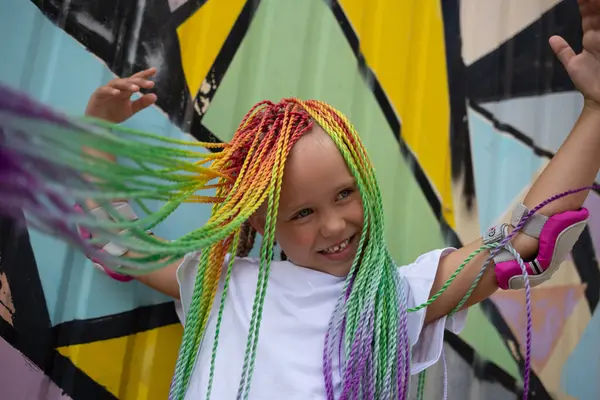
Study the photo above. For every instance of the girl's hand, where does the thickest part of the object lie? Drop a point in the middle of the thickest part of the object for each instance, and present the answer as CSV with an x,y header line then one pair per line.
x,y
584,68
113,102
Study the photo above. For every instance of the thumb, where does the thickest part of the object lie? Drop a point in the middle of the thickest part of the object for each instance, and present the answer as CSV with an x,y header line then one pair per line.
x,y
561,48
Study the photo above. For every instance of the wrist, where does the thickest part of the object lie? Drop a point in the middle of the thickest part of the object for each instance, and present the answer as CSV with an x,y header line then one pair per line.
x,y
100,113
98,116
590,105
91,112
525,245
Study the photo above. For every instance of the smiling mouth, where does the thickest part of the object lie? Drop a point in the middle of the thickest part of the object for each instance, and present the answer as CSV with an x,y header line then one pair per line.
x,y
338,248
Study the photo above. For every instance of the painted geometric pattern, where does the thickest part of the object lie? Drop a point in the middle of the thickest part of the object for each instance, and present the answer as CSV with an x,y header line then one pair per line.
x,y
457,111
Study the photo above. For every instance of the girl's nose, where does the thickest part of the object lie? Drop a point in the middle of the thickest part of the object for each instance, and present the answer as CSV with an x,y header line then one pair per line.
x,y
332,226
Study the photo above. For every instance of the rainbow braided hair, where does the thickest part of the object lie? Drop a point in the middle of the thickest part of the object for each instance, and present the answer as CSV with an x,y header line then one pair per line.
x,y
42,172
366,319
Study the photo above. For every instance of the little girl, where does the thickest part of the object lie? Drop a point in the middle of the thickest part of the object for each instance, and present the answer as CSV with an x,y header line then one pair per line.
x,y
335,318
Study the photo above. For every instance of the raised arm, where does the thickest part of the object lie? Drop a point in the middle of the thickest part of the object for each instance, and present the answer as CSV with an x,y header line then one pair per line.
x,y
112,102
575,165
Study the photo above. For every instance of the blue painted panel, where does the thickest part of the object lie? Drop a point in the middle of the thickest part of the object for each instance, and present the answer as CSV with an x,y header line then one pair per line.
x,y
582,369
502,166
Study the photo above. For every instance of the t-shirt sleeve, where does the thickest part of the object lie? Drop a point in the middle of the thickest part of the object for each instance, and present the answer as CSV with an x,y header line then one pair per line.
x,y
186,276
427,341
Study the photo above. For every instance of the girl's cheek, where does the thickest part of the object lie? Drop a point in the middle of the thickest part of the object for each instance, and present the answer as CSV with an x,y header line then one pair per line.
x,y
301,237
306,239
360,211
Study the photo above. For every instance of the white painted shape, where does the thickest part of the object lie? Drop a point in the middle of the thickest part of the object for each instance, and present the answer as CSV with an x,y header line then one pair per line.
x,y
486,24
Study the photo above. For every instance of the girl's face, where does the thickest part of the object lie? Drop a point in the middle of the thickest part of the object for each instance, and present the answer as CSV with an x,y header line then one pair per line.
x,y
320,213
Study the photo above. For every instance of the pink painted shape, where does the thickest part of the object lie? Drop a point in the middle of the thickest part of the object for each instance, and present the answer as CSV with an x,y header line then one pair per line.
x,y
21,379
551,307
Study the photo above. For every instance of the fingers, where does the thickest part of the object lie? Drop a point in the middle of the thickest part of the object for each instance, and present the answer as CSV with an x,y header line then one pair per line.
x,y
107,91
135,82
123,89
147,73
126,87
131,84
561,48
143,102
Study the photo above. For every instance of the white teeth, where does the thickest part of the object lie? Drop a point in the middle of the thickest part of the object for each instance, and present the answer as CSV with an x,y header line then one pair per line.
x,y
337,248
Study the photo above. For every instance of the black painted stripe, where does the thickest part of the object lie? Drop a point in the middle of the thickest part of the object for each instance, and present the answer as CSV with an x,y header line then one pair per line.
x,y
369,76
508,128
460,142
514,132
536,388
484,370
525,65
17,262
114,326
217,72
586,262
37,348
75,382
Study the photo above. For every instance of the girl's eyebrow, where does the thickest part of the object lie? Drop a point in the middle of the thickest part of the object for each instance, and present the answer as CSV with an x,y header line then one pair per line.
x,y
293,207
297,206
346,184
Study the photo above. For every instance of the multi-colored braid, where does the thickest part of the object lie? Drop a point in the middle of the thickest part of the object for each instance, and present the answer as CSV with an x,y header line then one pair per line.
x,y
367,332
368,315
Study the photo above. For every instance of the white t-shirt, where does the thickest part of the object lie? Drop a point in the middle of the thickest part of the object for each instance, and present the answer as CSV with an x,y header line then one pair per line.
x,y
298,305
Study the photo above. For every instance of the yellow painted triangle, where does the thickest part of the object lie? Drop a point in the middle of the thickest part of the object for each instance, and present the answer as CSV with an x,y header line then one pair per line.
x,y
403,44
138,366
201,37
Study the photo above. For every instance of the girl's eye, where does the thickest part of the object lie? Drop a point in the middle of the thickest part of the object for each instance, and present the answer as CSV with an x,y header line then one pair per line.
x,y
303,213
344,193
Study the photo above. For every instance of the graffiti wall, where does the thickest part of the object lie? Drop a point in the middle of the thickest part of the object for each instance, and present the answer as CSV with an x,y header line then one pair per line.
x,y
460,104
